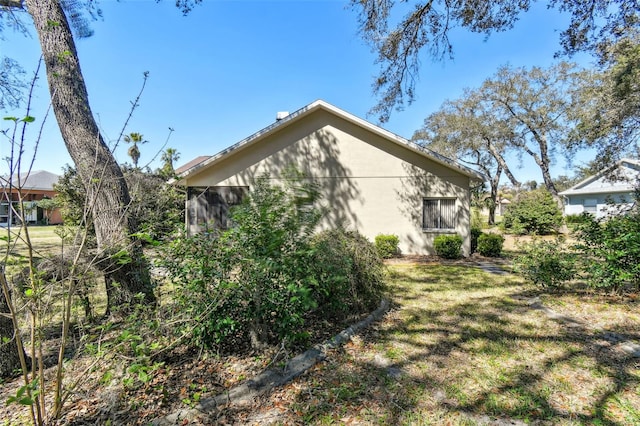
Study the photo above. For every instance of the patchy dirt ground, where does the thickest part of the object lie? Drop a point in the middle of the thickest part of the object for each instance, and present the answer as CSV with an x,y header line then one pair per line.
x,y
106,389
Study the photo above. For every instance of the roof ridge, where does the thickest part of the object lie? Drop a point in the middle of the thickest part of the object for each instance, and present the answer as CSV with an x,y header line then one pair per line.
x,y
319,103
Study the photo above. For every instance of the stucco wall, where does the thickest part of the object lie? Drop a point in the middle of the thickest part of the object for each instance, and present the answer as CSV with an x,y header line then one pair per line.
x,y
375,186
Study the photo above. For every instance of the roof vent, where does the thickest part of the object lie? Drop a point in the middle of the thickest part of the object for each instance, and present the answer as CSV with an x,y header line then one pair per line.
x,y
281,114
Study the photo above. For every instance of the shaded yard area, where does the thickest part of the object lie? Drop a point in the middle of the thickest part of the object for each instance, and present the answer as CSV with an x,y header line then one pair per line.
x,y
466,347
460,346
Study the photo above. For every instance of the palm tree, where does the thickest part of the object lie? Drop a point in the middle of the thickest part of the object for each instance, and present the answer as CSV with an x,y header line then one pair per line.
x,y
134,139
169,156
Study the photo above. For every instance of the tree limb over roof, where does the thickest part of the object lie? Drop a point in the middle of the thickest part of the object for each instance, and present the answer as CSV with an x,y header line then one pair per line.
x,y
400,45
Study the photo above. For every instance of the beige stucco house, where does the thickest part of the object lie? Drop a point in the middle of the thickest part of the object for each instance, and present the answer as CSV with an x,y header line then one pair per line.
x,y
371,179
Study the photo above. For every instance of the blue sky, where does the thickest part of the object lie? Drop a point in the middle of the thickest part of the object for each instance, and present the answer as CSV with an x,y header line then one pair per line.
x,y
222,72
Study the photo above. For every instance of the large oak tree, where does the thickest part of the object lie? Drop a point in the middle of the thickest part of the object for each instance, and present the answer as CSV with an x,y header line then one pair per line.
x,y
107,192
119,253
540,106
531,112
467,130
610,119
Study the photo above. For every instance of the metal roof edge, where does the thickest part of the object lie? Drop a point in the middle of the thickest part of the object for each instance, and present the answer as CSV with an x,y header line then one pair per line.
x,y
598,191
601,173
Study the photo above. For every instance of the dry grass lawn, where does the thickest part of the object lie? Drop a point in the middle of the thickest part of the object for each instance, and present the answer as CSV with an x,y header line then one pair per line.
x,y
44,241
464,347
460,347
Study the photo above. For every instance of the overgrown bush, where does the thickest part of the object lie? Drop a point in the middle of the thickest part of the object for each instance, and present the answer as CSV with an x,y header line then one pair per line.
x,y
387,245
490,245
575,221
349,273
578,218
475,233
254,282
258,282
533,212
201,269
476,218
158,208
546,263
611,251
448,246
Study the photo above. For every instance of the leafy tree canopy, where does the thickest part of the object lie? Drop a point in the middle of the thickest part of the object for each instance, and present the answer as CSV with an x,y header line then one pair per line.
x,y
425,27
468,130
527,111
611,118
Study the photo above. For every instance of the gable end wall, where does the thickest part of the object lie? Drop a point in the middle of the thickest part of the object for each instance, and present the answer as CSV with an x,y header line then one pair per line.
x,y
368,183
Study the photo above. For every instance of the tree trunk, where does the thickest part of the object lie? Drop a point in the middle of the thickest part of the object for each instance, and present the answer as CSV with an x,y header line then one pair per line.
x,y
544,162
503,165
9,358
494,181
126,274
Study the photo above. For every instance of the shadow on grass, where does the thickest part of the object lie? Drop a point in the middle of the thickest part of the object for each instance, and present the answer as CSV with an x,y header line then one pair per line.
x,y
453,352
460,347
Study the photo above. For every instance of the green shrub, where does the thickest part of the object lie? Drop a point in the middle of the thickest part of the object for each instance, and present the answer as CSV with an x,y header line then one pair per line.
x,y
158,208
578,218
253,283
490,245
201,268
533,212
262,280
349,273
476,218
611,251
546,263
387,245
448,246
475,233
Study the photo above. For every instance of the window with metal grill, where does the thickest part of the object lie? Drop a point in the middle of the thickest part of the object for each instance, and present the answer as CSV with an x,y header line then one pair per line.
x,y
439,213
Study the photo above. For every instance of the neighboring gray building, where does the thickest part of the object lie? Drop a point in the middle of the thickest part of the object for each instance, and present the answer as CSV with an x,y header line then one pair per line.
x,y
372,180
611,189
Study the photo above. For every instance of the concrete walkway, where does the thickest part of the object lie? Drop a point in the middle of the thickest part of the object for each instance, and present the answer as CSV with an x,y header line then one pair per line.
x,y
491,268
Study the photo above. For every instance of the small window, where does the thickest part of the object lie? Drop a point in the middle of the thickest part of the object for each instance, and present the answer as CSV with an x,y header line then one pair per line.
x,y
439,213
208,207
591,205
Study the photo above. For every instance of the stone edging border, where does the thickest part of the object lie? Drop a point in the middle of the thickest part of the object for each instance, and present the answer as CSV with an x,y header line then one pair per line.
x,y
271,378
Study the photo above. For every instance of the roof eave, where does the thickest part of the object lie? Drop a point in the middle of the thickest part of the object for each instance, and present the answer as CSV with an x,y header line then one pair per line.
x,y
306,110
603,191
601,173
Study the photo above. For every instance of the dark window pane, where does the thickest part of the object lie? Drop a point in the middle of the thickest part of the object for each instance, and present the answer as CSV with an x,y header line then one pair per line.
x,y
448,214
439,213
430,214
